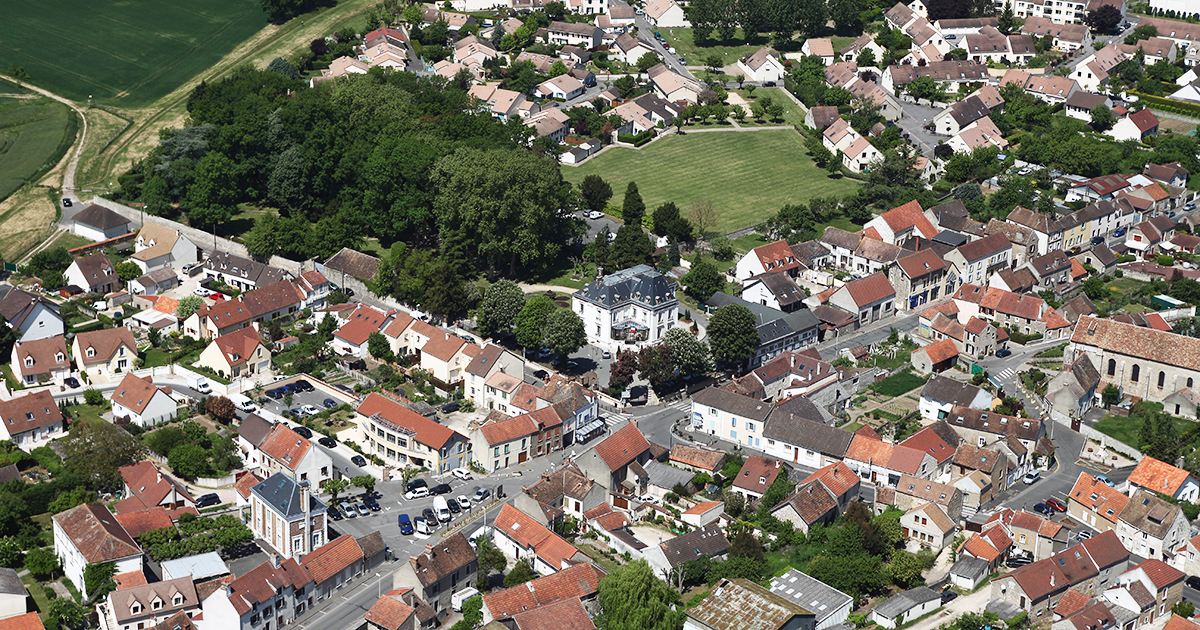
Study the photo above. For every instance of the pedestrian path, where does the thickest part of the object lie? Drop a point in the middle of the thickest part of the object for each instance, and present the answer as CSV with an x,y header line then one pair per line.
x,y
683,404
1007,373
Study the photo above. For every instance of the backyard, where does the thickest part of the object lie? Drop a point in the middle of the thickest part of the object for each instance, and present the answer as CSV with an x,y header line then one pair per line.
x,y
747,176
730,50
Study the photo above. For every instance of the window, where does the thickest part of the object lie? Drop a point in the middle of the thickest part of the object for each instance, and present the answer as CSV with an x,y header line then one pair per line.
x,y
1112,367
1162,378
1189,382
1137,372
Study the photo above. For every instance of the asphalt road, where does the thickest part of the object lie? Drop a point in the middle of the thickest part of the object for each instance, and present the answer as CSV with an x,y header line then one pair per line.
x,y
913,122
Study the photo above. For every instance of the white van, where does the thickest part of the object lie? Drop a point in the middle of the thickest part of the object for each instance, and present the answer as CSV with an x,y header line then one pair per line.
x,y
441,509
457,599
242,402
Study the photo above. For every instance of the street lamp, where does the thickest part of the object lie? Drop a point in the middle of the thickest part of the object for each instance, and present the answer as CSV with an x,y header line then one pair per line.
x,y
378,587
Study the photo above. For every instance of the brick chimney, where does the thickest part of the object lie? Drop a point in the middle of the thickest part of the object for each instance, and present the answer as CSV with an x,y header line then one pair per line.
x,y
306,503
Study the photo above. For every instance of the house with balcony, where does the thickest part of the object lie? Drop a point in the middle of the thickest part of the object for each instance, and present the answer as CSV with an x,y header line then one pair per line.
x,y
634,306
402,437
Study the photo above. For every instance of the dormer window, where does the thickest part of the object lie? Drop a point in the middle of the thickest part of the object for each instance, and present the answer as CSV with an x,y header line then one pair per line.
x,y
156,604
28,361
135,608
177,599
91,352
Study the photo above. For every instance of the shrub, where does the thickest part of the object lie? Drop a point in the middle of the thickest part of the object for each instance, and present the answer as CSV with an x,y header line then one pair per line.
x,y
1166,261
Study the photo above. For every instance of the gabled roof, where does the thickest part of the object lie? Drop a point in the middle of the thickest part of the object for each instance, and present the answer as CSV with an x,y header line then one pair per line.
x,y
1157,476
908,216
402,419
836,477
262,583
96,533
1147,513
870,289
578,581
254,429
920,263
622,447
28,412
1098,497
566,614
740,604
530,534
929,441
708,540
362,322
1144,120
987,246
508,430
285,446
940,351
332,558
147,483
758,473
357,264
238,346
936,516
142,521
702,458
442,558
807,432
105,343
390,613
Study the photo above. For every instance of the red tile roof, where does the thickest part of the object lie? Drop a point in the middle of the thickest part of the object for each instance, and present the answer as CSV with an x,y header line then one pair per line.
x,y
776,256
260,584
869,449
927,440
148,485
285,446
1098,497
704,506
363,321
1176,623
1072,602
15,412
871,289
530,534
142,521
134,393
47,354
943,350
105,343
622,447
508,430
837,477
578,581
566,614
758,473
130,579
1161,573
239,345
1157,476
97,533
245,482
980,547
31,621
426,431
920,263
909,215
332,558
1144,120
443,346
389,613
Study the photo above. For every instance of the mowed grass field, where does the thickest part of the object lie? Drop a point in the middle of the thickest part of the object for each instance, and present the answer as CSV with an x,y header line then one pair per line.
x,y
122,52
748,176
34,135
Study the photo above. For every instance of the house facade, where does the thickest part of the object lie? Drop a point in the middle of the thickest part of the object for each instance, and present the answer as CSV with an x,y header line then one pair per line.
x,y
285,515
637,304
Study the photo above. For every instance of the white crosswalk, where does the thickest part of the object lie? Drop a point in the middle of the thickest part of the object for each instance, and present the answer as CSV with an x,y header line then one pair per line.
x,y
1007,373
683,404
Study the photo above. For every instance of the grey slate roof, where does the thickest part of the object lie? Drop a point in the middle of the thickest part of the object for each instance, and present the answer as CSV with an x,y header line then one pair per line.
x,y
736,404
948,390
283,494
822,438
905,602
782,287
809,593
640,284
10,584
665,476
708,541
253,271
100,218
809,252
254,429
970,567
772,324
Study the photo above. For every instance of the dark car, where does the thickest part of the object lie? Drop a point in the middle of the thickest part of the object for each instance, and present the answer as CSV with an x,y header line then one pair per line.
x,y
71,382
327,442
413,484
441,488
454,506
1058,506
329,403
359,460
1017,561
207,500
371,503
769,84
303,385
335,513
1096,240
1193,582
450,407
66,202
275,394
303,432
948,596
1042,508
406,527
430,517
1003,352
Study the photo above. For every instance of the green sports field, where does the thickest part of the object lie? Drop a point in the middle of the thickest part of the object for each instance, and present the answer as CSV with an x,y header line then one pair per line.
x,y
125,53
34,135
747,175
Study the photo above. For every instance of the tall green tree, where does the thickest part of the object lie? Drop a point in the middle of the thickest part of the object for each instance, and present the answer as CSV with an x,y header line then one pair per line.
x,y
688,354
564,332
633,208
669,222
656,366
531,320
1007,21
501,304
595,192
632,247
703,280
633,598
96,450
732,334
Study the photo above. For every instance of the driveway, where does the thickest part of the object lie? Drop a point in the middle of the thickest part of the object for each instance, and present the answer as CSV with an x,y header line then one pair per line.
x,y
969,603
913,122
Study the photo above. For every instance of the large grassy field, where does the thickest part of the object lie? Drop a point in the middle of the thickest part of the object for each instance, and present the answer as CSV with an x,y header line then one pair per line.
x,y
34,134
748,176
125,53
729,50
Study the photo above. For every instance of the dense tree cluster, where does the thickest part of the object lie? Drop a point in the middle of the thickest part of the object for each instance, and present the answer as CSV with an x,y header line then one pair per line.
x,y
195,535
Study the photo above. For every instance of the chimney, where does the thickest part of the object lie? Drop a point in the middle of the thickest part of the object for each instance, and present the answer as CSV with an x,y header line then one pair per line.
x,y
429,550
306,544
159,476
599,273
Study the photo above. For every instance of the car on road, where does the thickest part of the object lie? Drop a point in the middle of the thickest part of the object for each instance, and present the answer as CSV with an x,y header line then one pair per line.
x,y
303,432
1191,205
450,407
347,509
1170,213
406,527
327,442
1096,240
358,460
416,493
453,506
1032,477
429,516
66,202
202,292
462,473
1074,250
207,500
1193,582
362,509
335,513
441,488
1003,352
463,502
71,382
1105,480
1058,506
948,596
1042,508
329,403
645,498
481,494
769,84
605,354
311,410
594,214
371,503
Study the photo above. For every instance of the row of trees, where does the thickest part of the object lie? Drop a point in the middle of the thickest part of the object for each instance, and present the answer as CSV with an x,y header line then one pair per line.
x,y
536,321
195,535
784,17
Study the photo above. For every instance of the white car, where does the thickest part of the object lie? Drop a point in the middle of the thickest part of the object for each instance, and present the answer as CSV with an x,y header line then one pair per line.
x,y
417,493
1032,477
202,292
463,502
594,214
310,410
645,498
462,473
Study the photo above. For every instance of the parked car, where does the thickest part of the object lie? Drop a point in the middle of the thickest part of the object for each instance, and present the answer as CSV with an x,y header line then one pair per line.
x,y
1058,506
1191,205
275,394
71,382
296,413
371,503
335,513
605,354
327,442
413,484
1193,582
594,214
207,500
311,410
202,292
462,473
348,509
453,506
359,460
1170,213
463,502
66,202
1119,232
1017,561
1083,535
416,493
1097,240
406,527
450,407
303,385
481,494
421,526
303,432
948,596
769,84
1003,352
1032,477
329,403
441,488
429,516
1104,480
1042,508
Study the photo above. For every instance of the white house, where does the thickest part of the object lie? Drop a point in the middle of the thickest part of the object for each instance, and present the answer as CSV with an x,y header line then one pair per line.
x,y
93,273
859,155
905,606
287,452
1135,126
88,534
31,420
41,361
237,354
139,400
635,304
942,394
273,593
762,66
666,14
98,223
1157,476
158,245
768,258
563,86
33,316
730,416
285,515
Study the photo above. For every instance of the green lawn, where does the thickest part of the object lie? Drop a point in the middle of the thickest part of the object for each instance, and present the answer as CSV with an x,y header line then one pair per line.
x,y
1127,430
841,42
154,357
898,384
730,50
84,411
792,114
34,134
71,241
124,53
747,176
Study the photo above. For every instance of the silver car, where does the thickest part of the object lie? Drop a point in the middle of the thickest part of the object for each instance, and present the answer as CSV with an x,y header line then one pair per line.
x,y
362,509
347,509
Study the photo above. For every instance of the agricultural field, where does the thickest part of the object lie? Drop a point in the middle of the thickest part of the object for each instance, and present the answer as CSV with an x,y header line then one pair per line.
x,y
34,135
126,53
747,176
